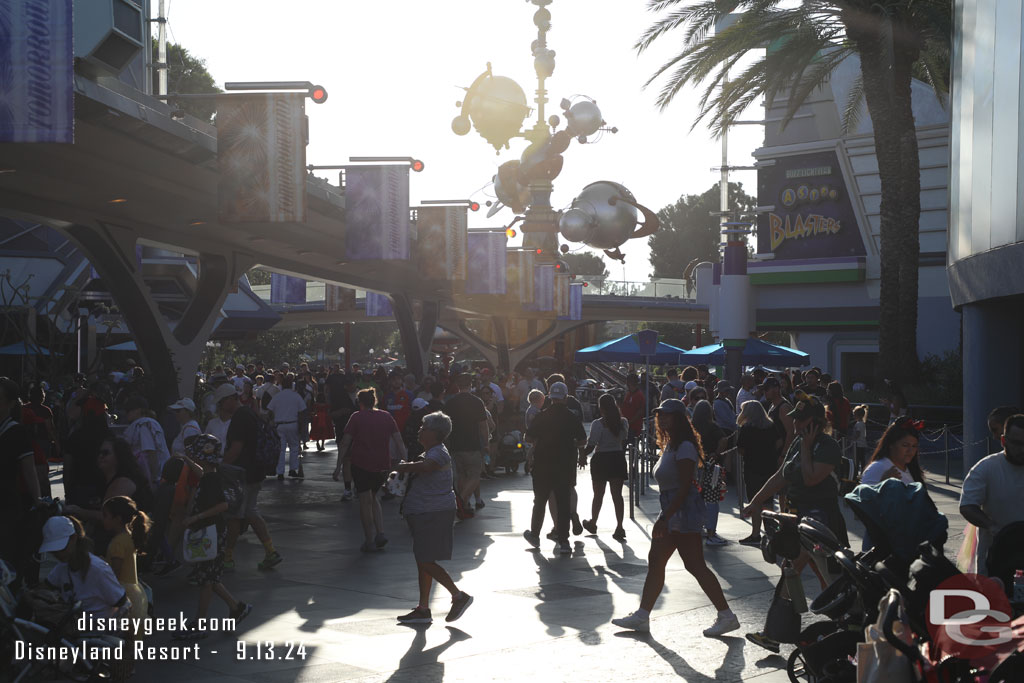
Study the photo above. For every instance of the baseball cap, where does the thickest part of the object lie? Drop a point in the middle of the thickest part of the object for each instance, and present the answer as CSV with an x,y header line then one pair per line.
x,y
672,405
558,390
56,533
723,386
224,391
807,406
769,382
239,367
690,385
186,403
419,403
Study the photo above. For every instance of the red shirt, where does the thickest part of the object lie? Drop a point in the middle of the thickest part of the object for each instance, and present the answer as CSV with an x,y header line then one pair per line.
x,y
371,432
399,404
633,410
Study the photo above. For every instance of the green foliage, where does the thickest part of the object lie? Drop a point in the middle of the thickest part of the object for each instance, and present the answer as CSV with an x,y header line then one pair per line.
x,y
276,346
942,380
258,276
187,73
689,233
586,263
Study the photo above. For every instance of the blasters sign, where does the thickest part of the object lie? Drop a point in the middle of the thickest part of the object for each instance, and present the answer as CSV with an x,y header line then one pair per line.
x,y
813,215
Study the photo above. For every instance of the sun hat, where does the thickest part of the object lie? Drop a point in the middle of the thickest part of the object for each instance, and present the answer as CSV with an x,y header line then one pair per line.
x,y
204,448
224,391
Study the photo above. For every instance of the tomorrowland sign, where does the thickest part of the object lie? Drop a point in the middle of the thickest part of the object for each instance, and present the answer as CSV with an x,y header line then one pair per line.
x,y
813,215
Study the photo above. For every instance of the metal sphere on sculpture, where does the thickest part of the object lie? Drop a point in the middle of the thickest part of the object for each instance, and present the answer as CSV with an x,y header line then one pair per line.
x,y
461,125
497,106
576,225
509,191
614,220
585,118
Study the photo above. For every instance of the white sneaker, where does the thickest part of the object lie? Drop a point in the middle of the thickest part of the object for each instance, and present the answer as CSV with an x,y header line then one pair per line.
x,y
715,539
635,622
722,625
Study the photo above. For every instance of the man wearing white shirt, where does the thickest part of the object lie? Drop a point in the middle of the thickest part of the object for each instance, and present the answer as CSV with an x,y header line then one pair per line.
x,y
285,408
746,392
218,425
240,380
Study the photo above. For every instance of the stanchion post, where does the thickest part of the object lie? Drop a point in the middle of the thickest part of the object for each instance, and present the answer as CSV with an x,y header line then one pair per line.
x,y
632,480
945,432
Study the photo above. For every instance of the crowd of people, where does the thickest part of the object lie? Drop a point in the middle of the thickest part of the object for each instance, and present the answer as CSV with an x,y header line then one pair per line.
x,y
146,492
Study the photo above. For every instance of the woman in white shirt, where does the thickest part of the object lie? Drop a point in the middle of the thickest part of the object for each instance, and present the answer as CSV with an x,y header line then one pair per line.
x,y
608,466
679,527
79,575
184,411
895,457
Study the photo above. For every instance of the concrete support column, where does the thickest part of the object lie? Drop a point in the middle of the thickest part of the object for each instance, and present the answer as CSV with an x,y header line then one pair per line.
x,y
415,341
170,357
993,370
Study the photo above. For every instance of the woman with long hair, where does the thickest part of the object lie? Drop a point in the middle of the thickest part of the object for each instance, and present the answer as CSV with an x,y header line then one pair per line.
x,y
608,466
129,526
837,409
895,456
678,528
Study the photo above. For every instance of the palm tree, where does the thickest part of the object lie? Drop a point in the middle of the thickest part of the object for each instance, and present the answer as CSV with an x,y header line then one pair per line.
x,y
896,41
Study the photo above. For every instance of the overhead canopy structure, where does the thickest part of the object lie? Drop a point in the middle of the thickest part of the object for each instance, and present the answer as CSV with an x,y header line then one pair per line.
x,y
627,350
123,346
23,349
755,352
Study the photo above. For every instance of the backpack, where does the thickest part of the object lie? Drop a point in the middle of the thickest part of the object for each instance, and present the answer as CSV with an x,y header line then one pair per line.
x,y
268,447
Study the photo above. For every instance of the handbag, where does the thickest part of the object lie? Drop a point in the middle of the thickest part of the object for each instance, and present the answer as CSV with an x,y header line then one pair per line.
x,y
782,623
200,545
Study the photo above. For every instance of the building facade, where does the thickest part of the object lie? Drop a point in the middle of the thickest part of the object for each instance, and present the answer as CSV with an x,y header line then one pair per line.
x,y
986,235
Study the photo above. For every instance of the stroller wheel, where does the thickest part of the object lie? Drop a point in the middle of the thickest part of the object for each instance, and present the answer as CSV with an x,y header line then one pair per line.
x,y
797,669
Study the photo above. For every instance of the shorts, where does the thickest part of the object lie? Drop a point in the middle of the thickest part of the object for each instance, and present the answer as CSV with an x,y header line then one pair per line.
x,y
689,519
608,466
468,462
366,480
432,535
249,506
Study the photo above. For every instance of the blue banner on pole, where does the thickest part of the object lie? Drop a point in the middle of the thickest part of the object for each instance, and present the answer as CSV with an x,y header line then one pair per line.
x,y
378,306
377,212
486,263
285,289
37,82
647,342
543,288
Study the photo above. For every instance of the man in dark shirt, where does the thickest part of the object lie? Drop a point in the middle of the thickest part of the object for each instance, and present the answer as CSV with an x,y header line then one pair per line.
x,y
243,432
557,435
19,488
811,384
468,439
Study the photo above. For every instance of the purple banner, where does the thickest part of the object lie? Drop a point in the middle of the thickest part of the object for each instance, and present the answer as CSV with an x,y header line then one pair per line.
x,y
647,342
486,263
813,216
378,306
520,274
285,289
377,212
543,288
576,301
261,156
441,242
37,82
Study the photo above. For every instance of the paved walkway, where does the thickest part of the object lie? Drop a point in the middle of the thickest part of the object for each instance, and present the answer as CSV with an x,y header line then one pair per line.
x,y
536,615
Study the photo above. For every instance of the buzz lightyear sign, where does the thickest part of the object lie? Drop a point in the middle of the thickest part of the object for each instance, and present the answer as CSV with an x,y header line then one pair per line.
x,y
813,216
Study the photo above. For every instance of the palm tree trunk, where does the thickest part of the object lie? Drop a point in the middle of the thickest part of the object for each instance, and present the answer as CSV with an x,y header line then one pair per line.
x,y
887,93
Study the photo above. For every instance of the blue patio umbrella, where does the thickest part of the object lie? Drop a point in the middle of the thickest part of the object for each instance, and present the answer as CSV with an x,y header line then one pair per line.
x,y
755,352
627,350
123,346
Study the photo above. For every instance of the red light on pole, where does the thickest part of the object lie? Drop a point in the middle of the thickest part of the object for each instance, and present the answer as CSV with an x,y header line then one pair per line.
x,y
474,206
417,166
510,233
539,252
318,94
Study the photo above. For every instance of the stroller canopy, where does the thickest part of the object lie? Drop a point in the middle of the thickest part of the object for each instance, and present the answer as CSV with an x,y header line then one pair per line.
x,y
899,517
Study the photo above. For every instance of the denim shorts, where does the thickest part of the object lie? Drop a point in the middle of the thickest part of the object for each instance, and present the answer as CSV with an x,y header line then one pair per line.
x,y
689,519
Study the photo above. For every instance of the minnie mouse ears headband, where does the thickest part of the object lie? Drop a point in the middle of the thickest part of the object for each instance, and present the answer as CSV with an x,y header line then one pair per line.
x,y
911,425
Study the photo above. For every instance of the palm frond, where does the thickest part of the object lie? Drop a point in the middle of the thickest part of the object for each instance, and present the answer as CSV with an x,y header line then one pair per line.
x,y
852,107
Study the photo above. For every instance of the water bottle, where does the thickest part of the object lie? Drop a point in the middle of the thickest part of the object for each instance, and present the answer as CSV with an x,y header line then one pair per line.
x,y
1018,586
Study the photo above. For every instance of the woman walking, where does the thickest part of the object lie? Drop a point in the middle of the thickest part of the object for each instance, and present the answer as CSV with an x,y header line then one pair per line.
x,y
757,443
365,451
608,466
678,528
429,509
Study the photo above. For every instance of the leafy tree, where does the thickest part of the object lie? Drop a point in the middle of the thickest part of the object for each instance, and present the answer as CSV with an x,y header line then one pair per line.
x,y
275,346
689,232
258,276
586,263
895,40
187,73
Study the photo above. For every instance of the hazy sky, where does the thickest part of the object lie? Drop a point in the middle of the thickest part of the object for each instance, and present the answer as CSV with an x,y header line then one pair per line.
x,y
393,71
